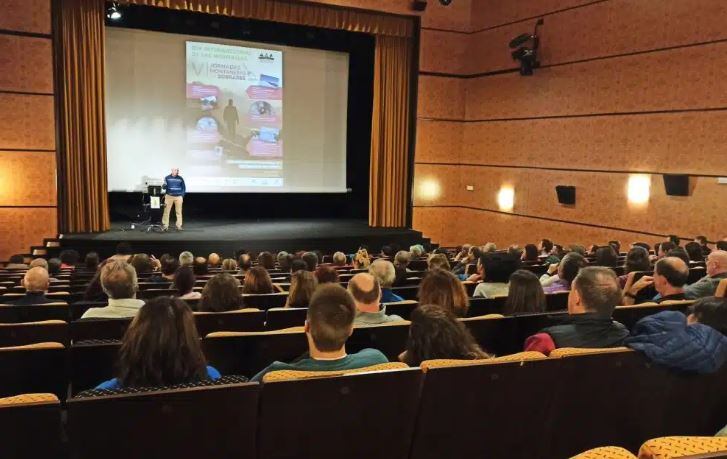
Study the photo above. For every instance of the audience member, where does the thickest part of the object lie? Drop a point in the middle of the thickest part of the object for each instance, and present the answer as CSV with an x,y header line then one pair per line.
x,y
123,252
36,283
311,261
695,344
591,302
495,270
435,333
213,260
703,244
616,246
91,262
674,239
298,265
387,251
716,271
119,282
94,291
361,260
366,292
229,265
546,250
266,260
490,247
643,245
339,259
303,284
326,274
417,251
220,294
525,295
385,274
244,263
328,325
442,288
161,348
169,267
694,250
69,258
670,276
579,249
606,256
186,258
515,251
463,252
679,253
257,281
664,249
184,284
401,267
200,266
38,263
438,261
142,264
460,269
637,259
567,270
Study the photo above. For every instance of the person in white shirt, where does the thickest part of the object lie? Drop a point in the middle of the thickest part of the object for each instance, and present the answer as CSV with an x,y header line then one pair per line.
x,y
119,282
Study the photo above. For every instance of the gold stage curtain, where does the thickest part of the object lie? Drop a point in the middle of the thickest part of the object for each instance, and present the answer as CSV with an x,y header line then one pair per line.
x,y
83,190
390,132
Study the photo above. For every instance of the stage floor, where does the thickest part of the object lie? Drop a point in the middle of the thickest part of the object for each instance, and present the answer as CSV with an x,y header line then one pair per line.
x,y
226,237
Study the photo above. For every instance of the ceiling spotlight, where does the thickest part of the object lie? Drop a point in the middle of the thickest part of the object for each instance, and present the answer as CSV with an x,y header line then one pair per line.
x,y
113,12
445,2
526,50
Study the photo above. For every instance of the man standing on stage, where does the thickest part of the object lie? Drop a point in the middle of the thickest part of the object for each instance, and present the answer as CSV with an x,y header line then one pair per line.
x,y
174,184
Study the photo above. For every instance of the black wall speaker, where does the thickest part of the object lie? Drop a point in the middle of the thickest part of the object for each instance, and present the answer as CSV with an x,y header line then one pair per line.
x,y
419,5
566,194
676,184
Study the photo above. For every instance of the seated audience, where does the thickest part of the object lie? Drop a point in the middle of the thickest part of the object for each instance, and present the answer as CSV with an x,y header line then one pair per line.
x,y
184,284
670,276
525,295
606,256
339,259
303,284
311,261
93,291
258,282
716,271
266,260
142,264
401,267
472,256
417,251
186,258
515,251
703,244
119,282
298,265
637,259
220,294
244,263
490,247
591,302
328,325
385,274
579,249
616,246
664,249
91,262
361,260
674,239
696,343
69,259
16,262
161,348
366,292
679,253
200,267
495,270
38,263
36,285
567,270
530,254
123,252
462,252
438,261
442,288
213,260
284,259
229,265
694,250
435,333
546,250
643,245
326,274
169,268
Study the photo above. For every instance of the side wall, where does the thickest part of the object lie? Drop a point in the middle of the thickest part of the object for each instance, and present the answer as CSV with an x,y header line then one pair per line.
x,y
625,86
27,126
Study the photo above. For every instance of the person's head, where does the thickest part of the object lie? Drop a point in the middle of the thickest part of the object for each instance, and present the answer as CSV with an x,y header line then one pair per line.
x,y
244,262
36,280
339,259
717,263
123,248
92,261
69,257
161,347
546,246
497,267
530,253
302,286
710,311
637,260
595,290
311,260
326,274
606,256
701,240
664,248
674,239
141,263
186,258
169,265
229,102
298,265
266,260
221,293
283,259
16,259
229,264
643,245
402,259
670,273
694,250
213,260
435,333
679,253
515,251
438,261
384,272
442,288
184,280
616,246
387,251
175,171
570,266
525,294
366,291
416,251
257,281
490,247
39,263
54,266
200,266
329,321
118,280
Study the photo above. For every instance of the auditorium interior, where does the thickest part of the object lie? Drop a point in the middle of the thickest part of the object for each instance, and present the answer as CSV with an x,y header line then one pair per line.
x,y
413,225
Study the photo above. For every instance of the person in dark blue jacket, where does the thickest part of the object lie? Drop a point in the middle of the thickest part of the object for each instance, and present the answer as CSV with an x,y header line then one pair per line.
x,y
176,189
695,344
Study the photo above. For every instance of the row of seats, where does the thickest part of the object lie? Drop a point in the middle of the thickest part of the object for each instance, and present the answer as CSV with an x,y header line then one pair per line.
x,y
560,406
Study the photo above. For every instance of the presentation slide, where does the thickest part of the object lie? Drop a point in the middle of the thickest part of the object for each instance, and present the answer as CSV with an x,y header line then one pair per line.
x,y
232,116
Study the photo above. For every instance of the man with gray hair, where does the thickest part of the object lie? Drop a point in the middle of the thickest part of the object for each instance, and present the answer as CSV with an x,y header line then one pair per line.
x,y
385,274
366,293
593,296
283,258
118,281
186,258
36,285
716,271
339,259
416,251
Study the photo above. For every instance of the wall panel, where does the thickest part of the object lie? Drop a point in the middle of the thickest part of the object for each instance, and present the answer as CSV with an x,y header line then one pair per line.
x,y
27,122
28,226
439,141
27,178
442,98
26,15
491,13
26,64
443,52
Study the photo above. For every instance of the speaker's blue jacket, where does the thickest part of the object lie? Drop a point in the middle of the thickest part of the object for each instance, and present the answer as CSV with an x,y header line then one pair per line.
x,y
175,185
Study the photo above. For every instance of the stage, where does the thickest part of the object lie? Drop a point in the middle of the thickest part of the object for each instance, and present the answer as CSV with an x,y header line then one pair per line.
x,y
228,236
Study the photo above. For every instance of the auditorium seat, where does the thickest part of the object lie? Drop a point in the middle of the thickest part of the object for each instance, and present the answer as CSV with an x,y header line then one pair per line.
x,y
92,362
280,318
366,415
98,329
290,375
79,308
676,447
721,289
33,313
240,320
33,368
389,338
407,292
480,306
30,426
556,301
156,292
209,419
695,274
402,309
265,301
605,452
60,297
19,334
